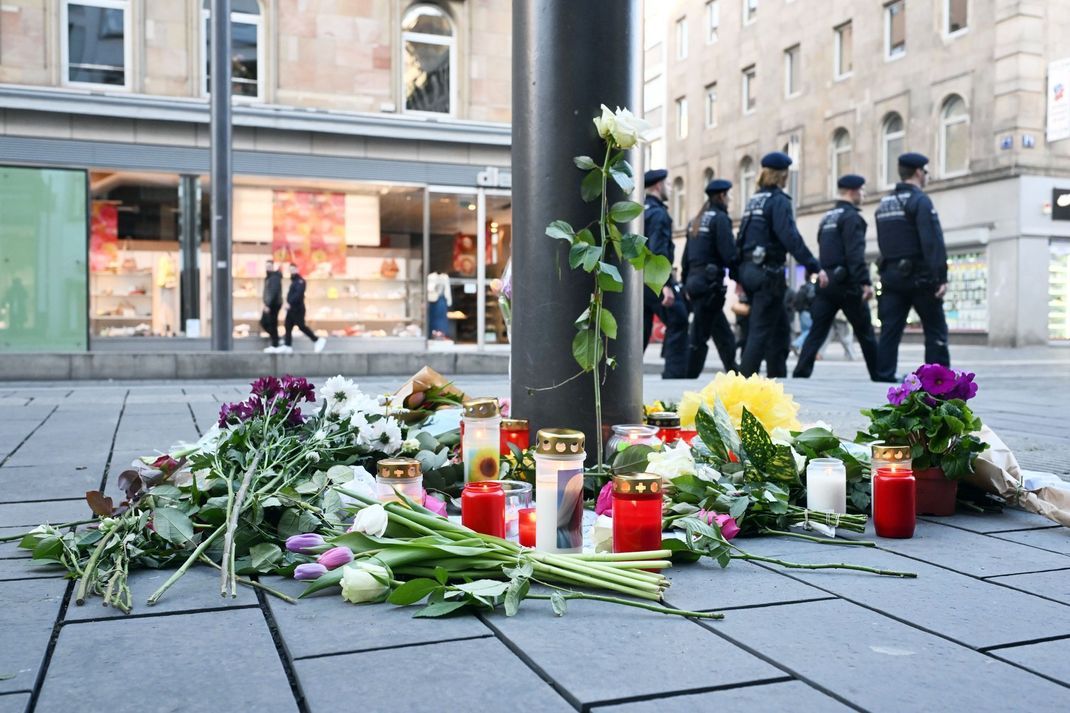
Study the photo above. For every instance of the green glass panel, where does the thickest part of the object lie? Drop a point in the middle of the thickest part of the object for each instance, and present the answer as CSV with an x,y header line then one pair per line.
x,y
43,224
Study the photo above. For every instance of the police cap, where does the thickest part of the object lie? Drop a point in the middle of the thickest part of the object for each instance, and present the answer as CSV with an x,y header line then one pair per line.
x,y
718,185
850,181
654,176
777,161
913,160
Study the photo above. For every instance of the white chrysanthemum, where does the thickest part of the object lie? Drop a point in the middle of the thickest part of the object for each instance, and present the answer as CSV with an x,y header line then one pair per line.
x,y
339,394
391,436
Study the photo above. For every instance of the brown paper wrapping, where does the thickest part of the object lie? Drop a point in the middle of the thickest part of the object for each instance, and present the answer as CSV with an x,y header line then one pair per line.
x,y
422,381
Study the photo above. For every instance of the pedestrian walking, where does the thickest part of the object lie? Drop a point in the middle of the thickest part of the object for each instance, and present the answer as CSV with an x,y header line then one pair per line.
x,y
800,304
710,251
670,308
767,233
269,320
842,249
913,268
295,313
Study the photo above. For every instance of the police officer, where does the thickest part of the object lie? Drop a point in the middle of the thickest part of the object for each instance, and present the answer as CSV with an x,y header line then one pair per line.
x,y
709,251
842,242
767,234
913,268
670,307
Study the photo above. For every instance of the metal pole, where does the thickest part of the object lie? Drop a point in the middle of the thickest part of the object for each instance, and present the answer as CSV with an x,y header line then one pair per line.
x,y
568,59
219,87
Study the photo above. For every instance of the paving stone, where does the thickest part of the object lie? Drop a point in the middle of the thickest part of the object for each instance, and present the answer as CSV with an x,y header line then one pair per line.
x,y
1050,658
29,515
882,665
1055,539
584,651
197,589
1009,519
970,611
186,656
311,627
1054,585
14,702
31,413
786,696
473,675
705,586
49,481
971,553
28,613
17,568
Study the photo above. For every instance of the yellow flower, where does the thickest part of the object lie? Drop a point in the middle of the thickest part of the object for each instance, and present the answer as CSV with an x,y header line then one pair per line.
x,y
764,398
654,407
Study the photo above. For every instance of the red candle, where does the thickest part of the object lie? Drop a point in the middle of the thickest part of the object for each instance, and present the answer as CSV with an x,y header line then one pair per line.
x,y
517,432
636,512
893,503
526,521
668,425
688,434
483,507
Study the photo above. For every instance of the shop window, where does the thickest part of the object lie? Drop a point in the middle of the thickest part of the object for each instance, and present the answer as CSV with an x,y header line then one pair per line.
x,y
892,135
895,29
956,17
841,156
245,48
428,60
711,105
966,299
747,178
1059,291
791,71
749,101
96,42
843,51
954,137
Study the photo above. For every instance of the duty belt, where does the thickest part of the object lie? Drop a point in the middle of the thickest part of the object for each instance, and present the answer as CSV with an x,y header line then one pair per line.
x,y
768,261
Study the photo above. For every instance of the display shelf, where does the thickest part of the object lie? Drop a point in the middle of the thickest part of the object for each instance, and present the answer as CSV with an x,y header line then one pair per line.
x,y
119,318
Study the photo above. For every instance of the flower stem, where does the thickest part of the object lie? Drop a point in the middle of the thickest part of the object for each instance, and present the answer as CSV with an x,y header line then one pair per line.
x,y
227,573
185,565
822,540
12,538
252,583
91,567
796,565
628,603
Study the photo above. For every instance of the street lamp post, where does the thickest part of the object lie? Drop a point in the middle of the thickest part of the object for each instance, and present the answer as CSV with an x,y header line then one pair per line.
x,y
221,174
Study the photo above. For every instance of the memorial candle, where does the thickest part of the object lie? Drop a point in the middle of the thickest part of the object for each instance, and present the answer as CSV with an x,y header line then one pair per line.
x,y
483,507
559,457
637,512
668,425
894,456
480,440
826,485
403,474
893,503
517,432
526,522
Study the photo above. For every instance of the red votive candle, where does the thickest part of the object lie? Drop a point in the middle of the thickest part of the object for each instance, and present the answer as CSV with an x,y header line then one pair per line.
x,y
636,512
483,507
688,434
668,425
526,522
515,431
893,503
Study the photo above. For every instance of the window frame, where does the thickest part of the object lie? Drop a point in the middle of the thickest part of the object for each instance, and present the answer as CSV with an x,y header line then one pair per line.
x,y
837,56
713,21
242,17
748,175
710,105
836,153
128,52
886,136
888,56
946,26
750,74
424,38
681,38
792,60
945,124
679,202
750,13
683,125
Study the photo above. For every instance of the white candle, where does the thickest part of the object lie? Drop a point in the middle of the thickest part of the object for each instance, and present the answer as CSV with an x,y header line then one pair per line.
x,y
826,485
480,444
559,457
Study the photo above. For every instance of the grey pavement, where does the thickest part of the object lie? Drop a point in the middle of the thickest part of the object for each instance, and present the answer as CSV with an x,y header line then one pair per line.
x,y
985,626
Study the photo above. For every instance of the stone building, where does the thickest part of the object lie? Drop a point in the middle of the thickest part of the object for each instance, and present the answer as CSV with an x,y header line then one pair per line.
x,y
846,85
371,148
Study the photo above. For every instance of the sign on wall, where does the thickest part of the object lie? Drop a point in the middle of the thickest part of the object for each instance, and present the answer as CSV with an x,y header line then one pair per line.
x,y
1059,100
1060,204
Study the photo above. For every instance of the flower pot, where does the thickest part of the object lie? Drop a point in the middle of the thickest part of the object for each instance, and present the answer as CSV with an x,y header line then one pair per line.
x,y
934,494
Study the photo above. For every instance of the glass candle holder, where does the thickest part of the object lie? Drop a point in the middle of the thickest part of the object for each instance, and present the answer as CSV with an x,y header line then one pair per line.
x,y
480,440
404,474
637,500
483,507
517,498
526,526
668,425
515,431
631,434
688,434
893,503
559,457
889,455
826,485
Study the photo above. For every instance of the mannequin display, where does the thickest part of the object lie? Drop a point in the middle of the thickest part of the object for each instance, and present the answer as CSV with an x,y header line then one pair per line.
x,y
439,300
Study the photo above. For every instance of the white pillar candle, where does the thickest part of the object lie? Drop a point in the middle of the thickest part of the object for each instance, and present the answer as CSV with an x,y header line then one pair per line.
x,y
559,457
826,485
480,442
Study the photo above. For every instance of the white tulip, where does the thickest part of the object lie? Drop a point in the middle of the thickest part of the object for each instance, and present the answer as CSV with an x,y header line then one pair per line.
x,y
363,582
371,520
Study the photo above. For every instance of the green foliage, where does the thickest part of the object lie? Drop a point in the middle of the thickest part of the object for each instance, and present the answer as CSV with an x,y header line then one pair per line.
x,y
822,443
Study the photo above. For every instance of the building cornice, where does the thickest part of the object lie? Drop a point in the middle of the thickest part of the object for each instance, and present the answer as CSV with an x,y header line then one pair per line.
x,y
261,116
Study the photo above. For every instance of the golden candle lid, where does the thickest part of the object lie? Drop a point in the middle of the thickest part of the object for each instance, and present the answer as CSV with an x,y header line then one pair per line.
x,y
664,419
515,424
399,468
559,441
486,407
896,453
637,484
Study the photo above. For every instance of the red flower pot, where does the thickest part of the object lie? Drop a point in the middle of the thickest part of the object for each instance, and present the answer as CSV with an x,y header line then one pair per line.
x,y
934,494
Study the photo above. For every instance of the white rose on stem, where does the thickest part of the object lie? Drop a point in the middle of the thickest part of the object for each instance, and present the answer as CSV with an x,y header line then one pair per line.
x,y
672,462
606,123
364,582
628,129
371,520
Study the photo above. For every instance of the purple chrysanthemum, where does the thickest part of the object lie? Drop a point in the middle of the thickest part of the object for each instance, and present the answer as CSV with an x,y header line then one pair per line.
x,y
266,387
297,389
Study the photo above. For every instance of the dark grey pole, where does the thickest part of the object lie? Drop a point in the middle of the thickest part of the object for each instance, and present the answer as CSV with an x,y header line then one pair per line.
x,y
189,219
568,59
219,87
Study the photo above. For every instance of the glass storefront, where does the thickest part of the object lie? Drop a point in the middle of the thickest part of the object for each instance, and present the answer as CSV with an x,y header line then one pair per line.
x,y
1059,291
966,300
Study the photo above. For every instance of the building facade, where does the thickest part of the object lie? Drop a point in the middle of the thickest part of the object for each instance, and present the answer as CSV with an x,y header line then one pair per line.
x,y
845,86
371,148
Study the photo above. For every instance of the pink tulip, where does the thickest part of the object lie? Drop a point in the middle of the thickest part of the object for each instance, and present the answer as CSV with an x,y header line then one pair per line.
x,y
434,504
604,504
335,557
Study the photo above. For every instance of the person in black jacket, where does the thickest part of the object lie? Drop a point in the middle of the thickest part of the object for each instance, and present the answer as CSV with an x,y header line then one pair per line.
x,y
842,241
710,251
671,308
913,268
269,320
295,312
767,233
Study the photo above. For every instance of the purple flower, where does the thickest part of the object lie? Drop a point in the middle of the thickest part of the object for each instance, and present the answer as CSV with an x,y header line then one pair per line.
x,y
335,557
965,386
295,418
897,395
912,383
309,570
936,379
266,387
295,389
304,544
604,504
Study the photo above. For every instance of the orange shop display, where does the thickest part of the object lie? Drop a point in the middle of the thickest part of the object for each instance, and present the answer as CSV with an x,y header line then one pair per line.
x,y
309,231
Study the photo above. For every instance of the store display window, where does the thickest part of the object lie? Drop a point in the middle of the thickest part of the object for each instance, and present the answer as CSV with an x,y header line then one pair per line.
x,y
1059,291
966,300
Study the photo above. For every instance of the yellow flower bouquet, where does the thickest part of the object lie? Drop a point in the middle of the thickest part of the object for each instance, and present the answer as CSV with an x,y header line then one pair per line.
x,y
764,398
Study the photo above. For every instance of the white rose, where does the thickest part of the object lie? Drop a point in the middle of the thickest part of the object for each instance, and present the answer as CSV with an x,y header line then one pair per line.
x,y
371,520
672,462
605,123
364,582
628,128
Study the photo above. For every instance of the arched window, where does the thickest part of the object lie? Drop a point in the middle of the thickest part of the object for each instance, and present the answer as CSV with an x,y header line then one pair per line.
x,y
892,134
246,45
954,137
747,177
428,60
841,156
679,202
707,176
794,150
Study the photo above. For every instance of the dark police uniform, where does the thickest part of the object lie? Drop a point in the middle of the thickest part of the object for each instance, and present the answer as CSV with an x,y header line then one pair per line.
x,y
710,250
842,241
657,224
767,234
913,265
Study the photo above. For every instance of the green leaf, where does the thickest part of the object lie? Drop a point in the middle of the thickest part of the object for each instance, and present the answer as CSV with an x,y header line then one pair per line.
x,y
433,611
632,245
608,323
622,179
521,571
591,187
585,236
818,440
707,431
560,230
518,589
587,349
726,430
559,603
173,525
592,258
442,575
656,272
577,253
609,278
483,588
166,490
681,553
755,439
584,162
625,211
296,522
264,556
633,459
412,591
